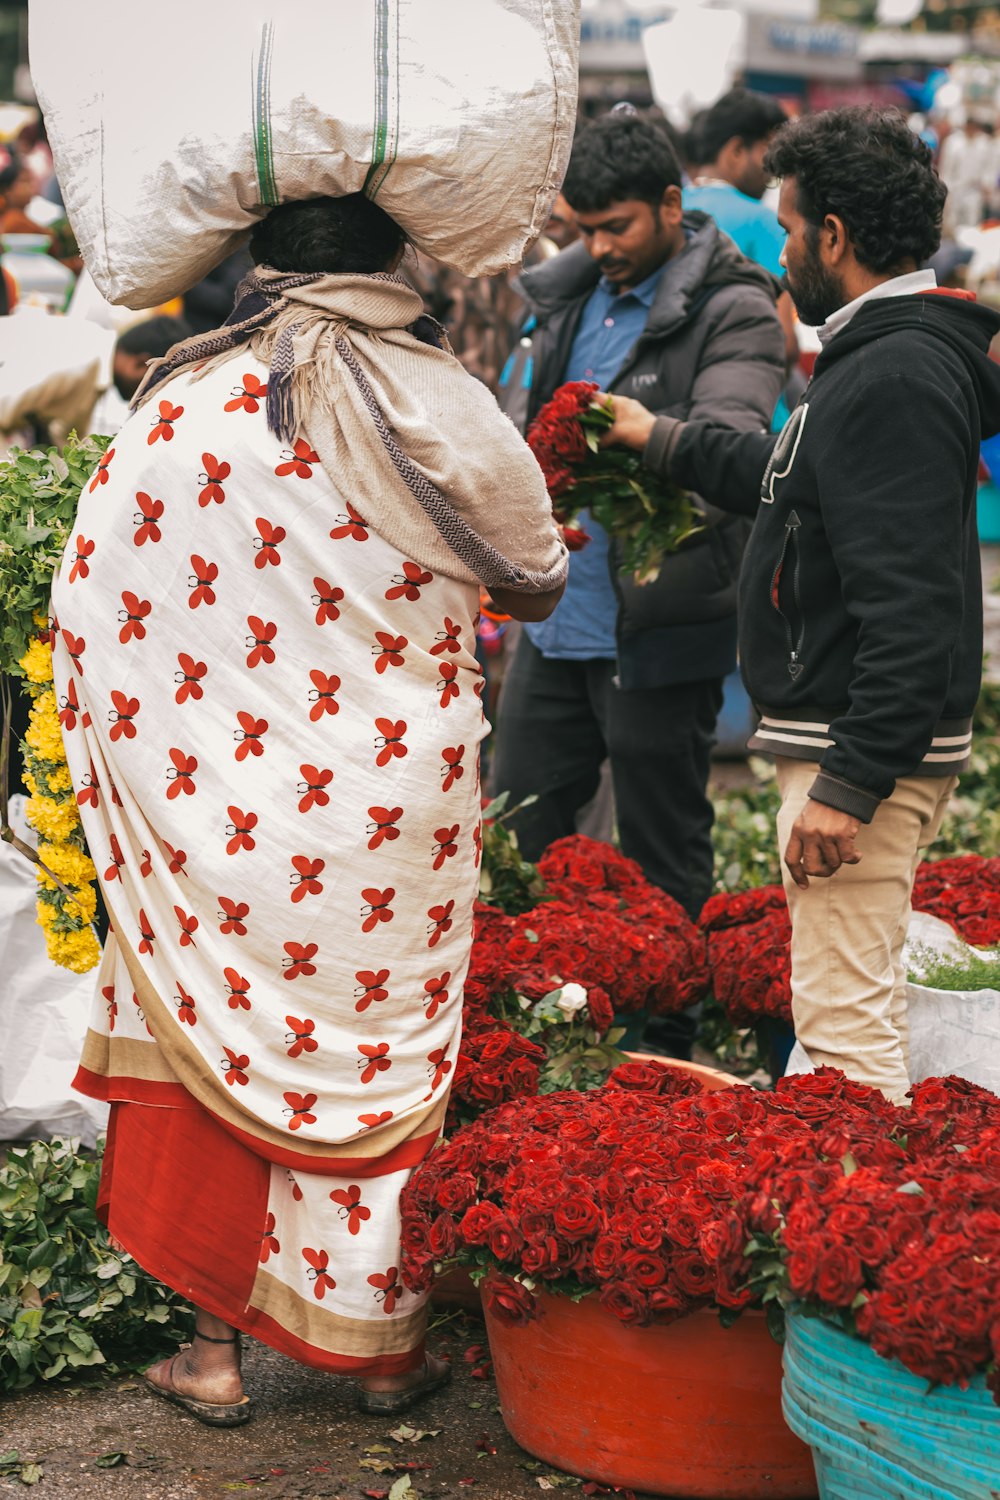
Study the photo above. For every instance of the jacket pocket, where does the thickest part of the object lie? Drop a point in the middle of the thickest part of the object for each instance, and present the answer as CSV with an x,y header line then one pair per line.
x,y
786,594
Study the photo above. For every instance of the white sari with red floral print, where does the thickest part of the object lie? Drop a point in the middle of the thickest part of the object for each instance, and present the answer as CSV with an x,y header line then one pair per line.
x,y
272,719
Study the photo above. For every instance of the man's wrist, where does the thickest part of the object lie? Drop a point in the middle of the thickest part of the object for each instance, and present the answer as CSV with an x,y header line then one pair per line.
x,y
845,796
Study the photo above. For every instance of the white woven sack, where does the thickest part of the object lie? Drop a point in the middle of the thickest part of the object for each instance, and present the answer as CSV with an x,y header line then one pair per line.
x,y
173,131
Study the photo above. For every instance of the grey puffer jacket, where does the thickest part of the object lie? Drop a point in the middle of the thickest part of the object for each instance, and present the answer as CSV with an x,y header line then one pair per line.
x,y
712,350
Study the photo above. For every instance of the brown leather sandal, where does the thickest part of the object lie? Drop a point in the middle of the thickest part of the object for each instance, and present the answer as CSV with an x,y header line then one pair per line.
x,y
211,1413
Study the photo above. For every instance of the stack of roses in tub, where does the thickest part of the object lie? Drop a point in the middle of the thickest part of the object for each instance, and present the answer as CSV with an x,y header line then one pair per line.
x,y
550,989
681,1218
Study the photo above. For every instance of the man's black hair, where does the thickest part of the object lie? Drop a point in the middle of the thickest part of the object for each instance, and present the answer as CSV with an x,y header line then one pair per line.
x,y
742,113
617,158
328,235
153,337
868,168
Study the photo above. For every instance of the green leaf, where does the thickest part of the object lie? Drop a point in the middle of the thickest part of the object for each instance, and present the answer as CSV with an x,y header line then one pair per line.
x,y
111,1461
31,1473
403,1487
849,1164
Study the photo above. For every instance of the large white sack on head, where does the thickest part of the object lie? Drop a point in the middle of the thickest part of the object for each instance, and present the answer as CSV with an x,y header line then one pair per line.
x,y
173,131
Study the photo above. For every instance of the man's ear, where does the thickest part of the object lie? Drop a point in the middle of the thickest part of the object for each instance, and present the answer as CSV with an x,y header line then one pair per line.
x,y
837,239
671,205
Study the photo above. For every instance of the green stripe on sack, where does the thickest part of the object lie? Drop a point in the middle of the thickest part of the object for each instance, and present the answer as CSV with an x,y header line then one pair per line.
x,y
386,133
266,182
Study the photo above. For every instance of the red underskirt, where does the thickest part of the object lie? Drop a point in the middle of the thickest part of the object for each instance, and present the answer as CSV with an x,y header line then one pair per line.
x,y
188,1201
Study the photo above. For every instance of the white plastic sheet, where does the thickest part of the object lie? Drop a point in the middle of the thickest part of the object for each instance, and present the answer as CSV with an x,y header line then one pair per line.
x,y
44,1013
456,117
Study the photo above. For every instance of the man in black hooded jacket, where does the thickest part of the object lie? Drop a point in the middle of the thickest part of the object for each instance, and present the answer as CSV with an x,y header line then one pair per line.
x,y
860,596
661,306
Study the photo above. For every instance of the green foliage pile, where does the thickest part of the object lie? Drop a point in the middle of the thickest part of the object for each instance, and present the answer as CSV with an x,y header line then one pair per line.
x,y
969,971
39,492
506,878
68,1301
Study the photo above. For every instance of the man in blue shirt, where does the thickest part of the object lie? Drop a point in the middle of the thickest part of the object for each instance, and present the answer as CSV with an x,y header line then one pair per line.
x,y
655,304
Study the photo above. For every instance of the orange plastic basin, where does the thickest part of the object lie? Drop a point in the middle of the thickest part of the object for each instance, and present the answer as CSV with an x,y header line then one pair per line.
x,y
691,1409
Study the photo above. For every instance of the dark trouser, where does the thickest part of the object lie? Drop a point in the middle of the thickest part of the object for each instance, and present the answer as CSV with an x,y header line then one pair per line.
x,y
558,720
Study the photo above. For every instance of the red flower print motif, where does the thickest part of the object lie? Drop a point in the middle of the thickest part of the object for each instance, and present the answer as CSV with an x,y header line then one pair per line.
x,y
188,925
232,917
89,794
249,736
300,1110
163,426
389,741
131,617
296,1190
372,1122
211,480
407,585
234,1066
446,846
449,639
298,461
378,908
76,646
321,695
238,989
109,994
388,652
352,525
382,829
439,1066
305,876
114,796
178,859
101,472
121,716
186,1008
452,769
351,1207
262,633
200,581
188,678
318,1260
441,922
312,788
299,960
371,988
269,1244
81,567
146,868
145,519
117,860
447,683
389,1290
69,706
326,600
437,995
146,935
180,774
300,1037
141,1013
248,396
477,839
374,1059
266,543
239,831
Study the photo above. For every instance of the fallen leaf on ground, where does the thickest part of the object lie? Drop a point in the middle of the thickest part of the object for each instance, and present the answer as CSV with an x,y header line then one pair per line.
x,y
111,1460
406,1434
403,1487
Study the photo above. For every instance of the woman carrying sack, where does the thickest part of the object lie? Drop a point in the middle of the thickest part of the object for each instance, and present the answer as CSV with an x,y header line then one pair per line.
x,y
271,640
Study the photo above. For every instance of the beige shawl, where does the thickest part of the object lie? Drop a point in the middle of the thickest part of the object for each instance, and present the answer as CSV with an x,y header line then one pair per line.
x,y
416,444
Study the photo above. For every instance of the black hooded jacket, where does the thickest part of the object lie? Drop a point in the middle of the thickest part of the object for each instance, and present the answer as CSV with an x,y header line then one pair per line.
x,y
861,625
712,350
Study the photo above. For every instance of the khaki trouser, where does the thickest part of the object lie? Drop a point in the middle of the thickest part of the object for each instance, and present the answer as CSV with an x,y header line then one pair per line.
x,y
848,979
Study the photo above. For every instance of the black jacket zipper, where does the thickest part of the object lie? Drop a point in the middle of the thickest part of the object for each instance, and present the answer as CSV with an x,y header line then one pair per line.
x,y
789,547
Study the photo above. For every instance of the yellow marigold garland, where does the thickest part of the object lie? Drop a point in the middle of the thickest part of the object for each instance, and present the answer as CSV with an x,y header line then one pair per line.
x,y
53,813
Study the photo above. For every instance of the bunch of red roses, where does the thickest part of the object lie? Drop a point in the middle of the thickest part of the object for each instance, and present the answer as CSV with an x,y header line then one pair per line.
x,y
964,892
891,1226
749,936
648,516
660,1201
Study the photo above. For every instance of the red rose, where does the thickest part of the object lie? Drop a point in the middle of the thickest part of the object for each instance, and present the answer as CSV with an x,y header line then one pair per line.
x,y
508,1300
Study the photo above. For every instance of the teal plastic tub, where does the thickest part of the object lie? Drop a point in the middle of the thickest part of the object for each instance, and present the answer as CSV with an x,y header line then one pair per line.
x,y
988,513
879,1433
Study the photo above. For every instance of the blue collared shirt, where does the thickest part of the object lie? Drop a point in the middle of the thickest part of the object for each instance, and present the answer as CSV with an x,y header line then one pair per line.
x,y
582,626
